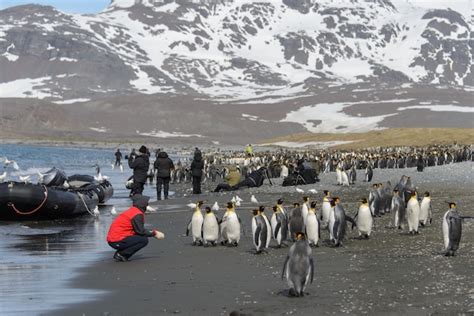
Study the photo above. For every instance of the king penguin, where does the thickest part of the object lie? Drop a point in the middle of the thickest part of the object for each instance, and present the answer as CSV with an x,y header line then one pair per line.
x,y
279,226
313,227
259,231
364,219
339,226
368,173
210,228
452,230
267,223
298,267
413,213
195,225
398,209
230,226
425,210
296,221
325,209
304,208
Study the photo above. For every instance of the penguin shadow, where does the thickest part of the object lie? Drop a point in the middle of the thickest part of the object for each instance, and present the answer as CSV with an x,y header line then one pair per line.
x,y
291,294
255,252
442,253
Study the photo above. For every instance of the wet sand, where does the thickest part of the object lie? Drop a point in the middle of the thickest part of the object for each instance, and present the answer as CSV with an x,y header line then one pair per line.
x,y
392,273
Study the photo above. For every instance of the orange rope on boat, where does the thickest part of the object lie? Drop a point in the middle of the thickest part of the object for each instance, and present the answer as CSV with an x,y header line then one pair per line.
x,y
33,211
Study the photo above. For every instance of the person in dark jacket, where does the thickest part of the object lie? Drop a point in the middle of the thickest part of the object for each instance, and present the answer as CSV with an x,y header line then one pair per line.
x,y
420,164
127,233
139,163
118,157
163,166
196,171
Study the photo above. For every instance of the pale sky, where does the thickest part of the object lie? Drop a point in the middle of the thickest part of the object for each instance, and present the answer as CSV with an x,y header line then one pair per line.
x,y
94,6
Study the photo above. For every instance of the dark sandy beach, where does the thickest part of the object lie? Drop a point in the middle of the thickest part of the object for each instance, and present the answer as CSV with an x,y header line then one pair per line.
x,y
393,273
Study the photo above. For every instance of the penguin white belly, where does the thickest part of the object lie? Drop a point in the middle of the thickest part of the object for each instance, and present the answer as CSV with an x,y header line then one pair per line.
x,y
233,228
445,229
312,229
424,211
284,172
413,214
339,176
304,212
273,222
210,229
326,210
196,226
364,221
223,227
332,220
345,178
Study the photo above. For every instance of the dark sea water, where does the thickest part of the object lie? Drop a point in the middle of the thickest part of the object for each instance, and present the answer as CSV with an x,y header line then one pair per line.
x,y
37,259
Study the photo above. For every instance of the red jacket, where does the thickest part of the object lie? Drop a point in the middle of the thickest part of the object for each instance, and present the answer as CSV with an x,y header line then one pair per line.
x,y
122,226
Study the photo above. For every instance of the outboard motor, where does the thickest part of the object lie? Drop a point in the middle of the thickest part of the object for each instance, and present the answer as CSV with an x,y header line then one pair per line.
x,y
54,177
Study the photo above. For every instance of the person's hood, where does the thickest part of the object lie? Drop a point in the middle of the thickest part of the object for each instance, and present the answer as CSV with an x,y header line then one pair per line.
x,y
232,168
140,201
162,154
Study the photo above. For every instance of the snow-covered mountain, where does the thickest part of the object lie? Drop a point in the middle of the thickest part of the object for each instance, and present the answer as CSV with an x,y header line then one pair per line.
x,y
234,71
231,49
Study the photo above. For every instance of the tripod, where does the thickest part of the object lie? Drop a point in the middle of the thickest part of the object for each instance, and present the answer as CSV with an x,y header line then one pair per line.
x,y
298,178
265,174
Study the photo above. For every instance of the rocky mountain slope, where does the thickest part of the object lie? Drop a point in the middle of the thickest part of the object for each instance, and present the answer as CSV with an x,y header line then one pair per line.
x,y
281,59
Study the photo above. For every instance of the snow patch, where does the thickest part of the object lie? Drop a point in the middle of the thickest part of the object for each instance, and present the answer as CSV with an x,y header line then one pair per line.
x,y
439,108
163,134
71,101
334,120
99,129
350,69
314,144
25,88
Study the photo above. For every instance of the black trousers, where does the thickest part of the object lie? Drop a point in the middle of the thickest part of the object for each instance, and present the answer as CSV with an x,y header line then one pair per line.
x,y
118,162
165,182
137,188
222,187
129,245
196,185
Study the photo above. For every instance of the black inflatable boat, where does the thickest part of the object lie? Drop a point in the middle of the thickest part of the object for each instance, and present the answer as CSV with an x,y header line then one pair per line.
x,y
103,189
55,197
25,201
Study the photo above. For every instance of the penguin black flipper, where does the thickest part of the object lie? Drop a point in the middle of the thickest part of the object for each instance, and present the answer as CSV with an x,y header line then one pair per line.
x,y
256,235
189,227
311,269
335,232
277,229
455,232
284,267
319,228
349,219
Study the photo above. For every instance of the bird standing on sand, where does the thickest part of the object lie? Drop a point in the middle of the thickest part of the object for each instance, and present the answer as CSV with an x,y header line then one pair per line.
x,y
113,211
253,199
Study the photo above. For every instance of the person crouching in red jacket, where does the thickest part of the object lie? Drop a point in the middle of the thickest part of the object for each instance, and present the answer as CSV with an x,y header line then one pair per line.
x,y
127,233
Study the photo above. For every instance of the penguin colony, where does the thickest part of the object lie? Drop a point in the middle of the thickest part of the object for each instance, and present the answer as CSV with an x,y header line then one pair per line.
x,y
302,225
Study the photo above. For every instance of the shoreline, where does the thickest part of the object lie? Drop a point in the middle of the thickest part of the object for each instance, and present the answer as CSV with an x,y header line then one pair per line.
x,y
391,273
